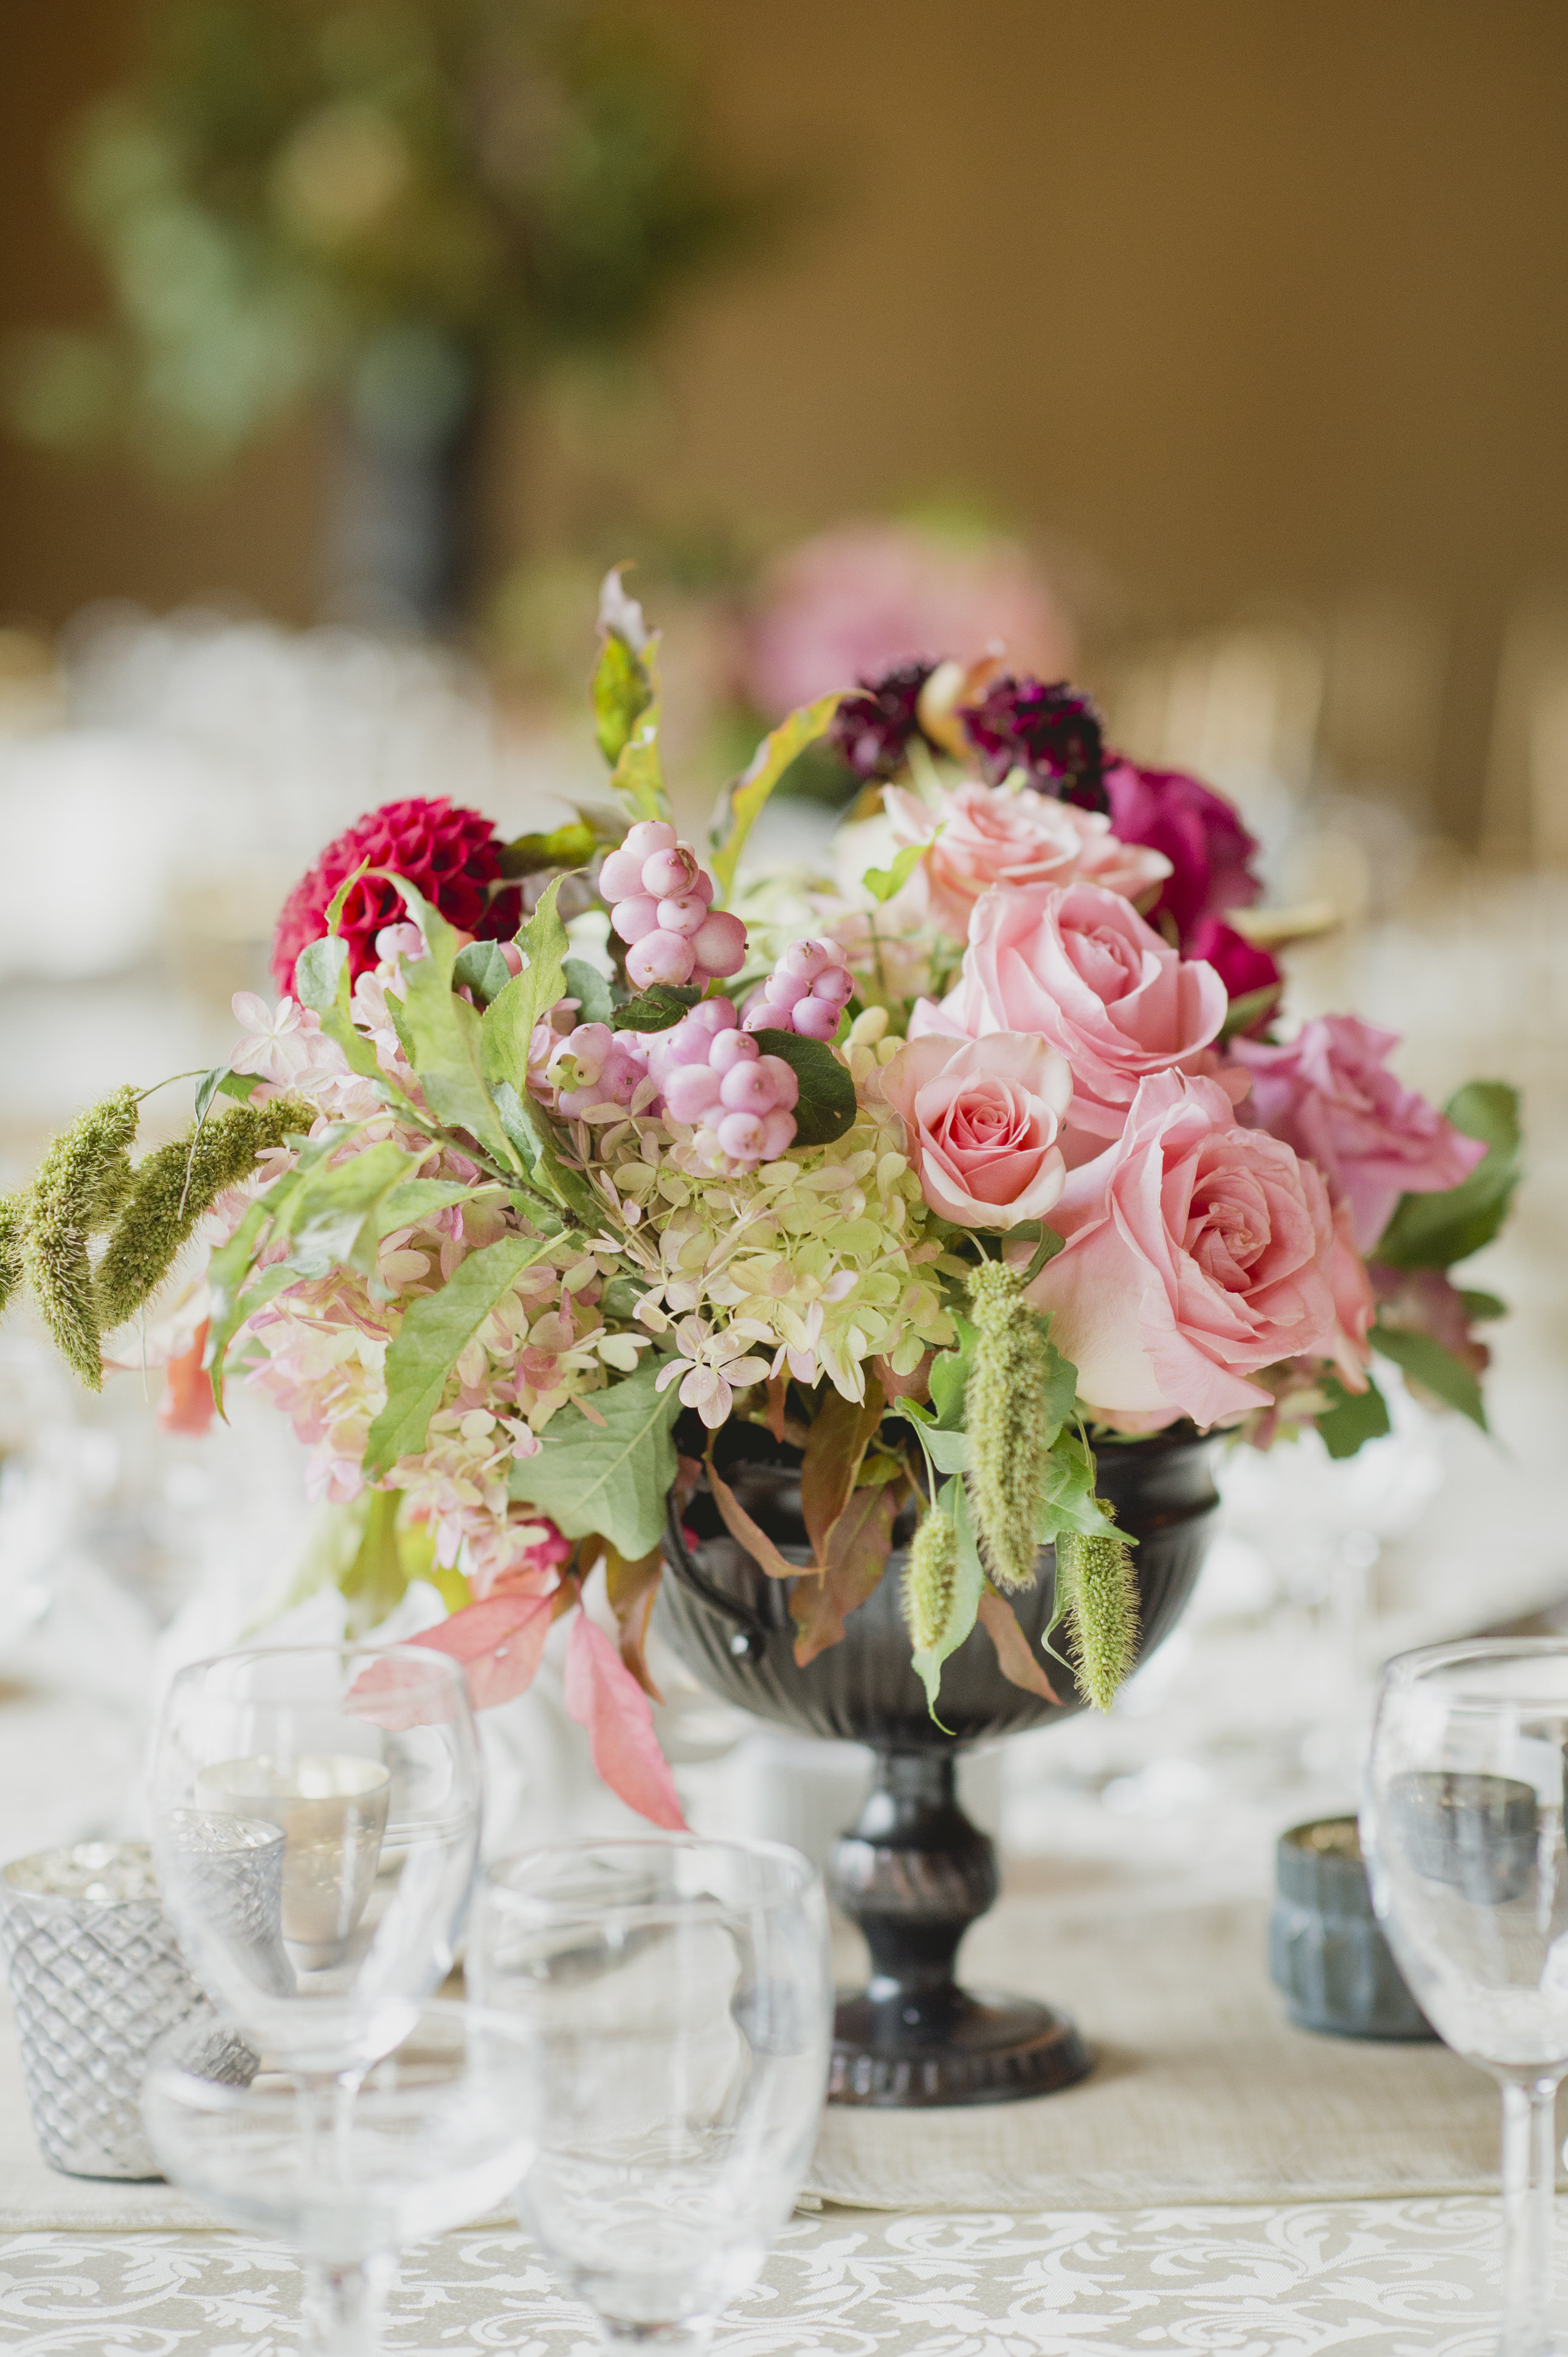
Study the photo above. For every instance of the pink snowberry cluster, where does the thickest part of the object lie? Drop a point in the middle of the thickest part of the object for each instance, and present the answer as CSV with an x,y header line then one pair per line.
x,y
805,991
659,901
714,1076
593,1065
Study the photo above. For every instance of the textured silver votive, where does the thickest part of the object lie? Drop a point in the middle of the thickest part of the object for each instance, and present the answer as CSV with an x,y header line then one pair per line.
x,y
96,1978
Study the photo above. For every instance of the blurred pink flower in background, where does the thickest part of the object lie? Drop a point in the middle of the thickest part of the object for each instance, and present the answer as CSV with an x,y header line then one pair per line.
x,y
853,602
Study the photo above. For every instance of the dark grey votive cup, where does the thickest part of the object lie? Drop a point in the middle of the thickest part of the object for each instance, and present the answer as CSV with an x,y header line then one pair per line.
x,y
1327,1953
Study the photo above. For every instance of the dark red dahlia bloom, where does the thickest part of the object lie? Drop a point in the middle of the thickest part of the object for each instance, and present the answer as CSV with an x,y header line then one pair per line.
x,y
453,857
872,731
1054,733
1209,850
1240,965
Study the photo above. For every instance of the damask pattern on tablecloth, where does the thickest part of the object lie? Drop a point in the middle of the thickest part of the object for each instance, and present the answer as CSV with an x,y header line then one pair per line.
x,y
1407,2278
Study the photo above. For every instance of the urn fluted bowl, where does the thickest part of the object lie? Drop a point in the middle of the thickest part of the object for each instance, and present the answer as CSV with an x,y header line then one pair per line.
x,y
915,1872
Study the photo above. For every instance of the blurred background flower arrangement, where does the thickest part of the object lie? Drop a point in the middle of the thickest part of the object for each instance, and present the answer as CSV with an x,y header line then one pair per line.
x,y
269,437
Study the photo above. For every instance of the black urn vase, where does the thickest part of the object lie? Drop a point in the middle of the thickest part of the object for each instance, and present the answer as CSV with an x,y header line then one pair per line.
x,y
915,1872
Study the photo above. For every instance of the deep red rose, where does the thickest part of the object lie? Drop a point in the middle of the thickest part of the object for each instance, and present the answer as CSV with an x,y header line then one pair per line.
x,y
453,857
1209,850
1240,963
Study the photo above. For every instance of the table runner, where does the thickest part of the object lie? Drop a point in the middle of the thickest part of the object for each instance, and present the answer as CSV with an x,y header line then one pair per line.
x,y
1202,2091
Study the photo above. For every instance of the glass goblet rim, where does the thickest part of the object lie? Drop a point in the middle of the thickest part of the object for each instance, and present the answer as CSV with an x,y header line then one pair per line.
x,y
429,1657
1423,1664
797,1878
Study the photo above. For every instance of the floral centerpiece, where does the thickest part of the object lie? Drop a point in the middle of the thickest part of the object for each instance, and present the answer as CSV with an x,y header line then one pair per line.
x,y
1001,1162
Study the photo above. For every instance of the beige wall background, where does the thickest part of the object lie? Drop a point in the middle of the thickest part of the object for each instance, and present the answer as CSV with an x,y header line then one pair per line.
x,y
1238,309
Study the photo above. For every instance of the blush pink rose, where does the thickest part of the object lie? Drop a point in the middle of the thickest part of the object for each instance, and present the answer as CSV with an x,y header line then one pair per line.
x,y
981,1118
980,835
1354,1303
1329,1094
1078,965
1196,1252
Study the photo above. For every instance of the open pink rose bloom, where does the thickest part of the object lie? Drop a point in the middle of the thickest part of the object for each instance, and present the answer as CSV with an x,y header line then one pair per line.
x,y
981,1119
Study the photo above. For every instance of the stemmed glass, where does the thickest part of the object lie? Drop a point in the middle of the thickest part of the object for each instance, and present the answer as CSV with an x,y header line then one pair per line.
x,y
1463,1830
315,1826
683,2000
432,2137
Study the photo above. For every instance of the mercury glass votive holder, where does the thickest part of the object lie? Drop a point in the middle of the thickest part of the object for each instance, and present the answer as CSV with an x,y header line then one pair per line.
x,y
331,1810
96,1979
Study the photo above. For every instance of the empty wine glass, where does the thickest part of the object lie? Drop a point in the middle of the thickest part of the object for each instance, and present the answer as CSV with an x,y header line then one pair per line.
x,y
683,2004
315,1826
1462,1826
433,2136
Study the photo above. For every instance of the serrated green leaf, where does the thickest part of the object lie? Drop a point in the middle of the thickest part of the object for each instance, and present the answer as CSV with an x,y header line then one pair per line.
x,y
441,1033
435,1330
508,1020
1436,1370
480,967
589,987
827,1106
658,1007
949,1378
969,1586
226,1275
740,804
612,1478
1351,1418
321,980
417,1200
882,882
1067,1500
1435,1230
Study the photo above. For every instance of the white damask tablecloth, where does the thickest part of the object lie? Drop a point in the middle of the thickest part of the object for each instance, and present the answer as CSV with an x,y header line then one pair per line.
x,y
1382,2279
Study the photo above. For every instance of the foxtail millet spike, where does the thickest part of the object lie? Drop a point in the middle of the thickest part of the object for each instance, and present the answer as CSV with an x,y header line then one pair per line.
x,y
929,1578
1006,1410
1103,1611
81,1182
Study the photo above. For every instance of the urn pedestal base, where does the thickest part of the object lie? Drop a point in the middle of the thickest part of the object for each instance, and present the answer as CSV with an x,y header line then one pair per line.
x,y
913,1875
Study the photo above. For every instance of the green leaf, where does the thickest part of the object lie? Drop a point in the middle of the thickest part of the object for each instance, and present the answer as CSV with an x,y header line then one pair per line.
x,y
227,1270
441,1034
481,968
530,1134
882,882
969,1586
321,979
949,1451
949,1378
410,1205
221,1083
1480,1306
572,845
508,1020
435,1330
612,1478
1435,1230
621,695
740,803
1436,1370
662,1004
324,1215
376,1580
1243,1012
589,987
827,1106
1352,1417
638,775
1067,1500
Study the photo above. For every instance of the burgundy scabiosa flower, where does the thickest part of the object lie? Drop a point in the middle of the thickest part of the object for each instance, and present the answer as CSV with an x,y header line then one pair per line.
x,y
452,855
872,731
1052,733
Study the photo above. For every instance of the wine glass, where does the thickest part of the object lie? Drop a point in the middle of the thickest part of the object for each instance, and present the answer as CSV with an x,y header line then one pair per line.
x,y
433,2136
1462,1826
315,1826
683,2004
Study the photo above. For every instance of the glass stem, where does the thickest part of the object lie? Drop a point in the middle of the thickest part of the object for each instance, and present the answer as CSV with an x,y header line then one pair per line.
x,y
343,2306
1529,2184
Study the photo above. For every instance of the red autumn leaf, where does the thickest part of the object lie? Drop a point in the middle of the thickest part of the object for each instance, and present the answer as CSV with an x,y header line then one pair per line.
x,y
834,1446
1015,1657
602,1695
857,1557
745,1532
186,1405
499,1641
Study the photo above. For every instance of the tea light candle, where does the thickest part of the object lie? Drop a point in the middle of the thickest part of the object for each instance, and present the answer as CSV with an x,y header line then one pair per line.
x,y
331,1807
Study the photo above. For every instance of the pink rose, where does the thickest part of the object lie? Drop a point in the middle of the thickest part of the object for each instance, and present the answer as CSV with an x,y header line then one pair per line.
x,y
981,1118
980,835
1196,1252
1209,850
1329,1094
1078,965
1354,1303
